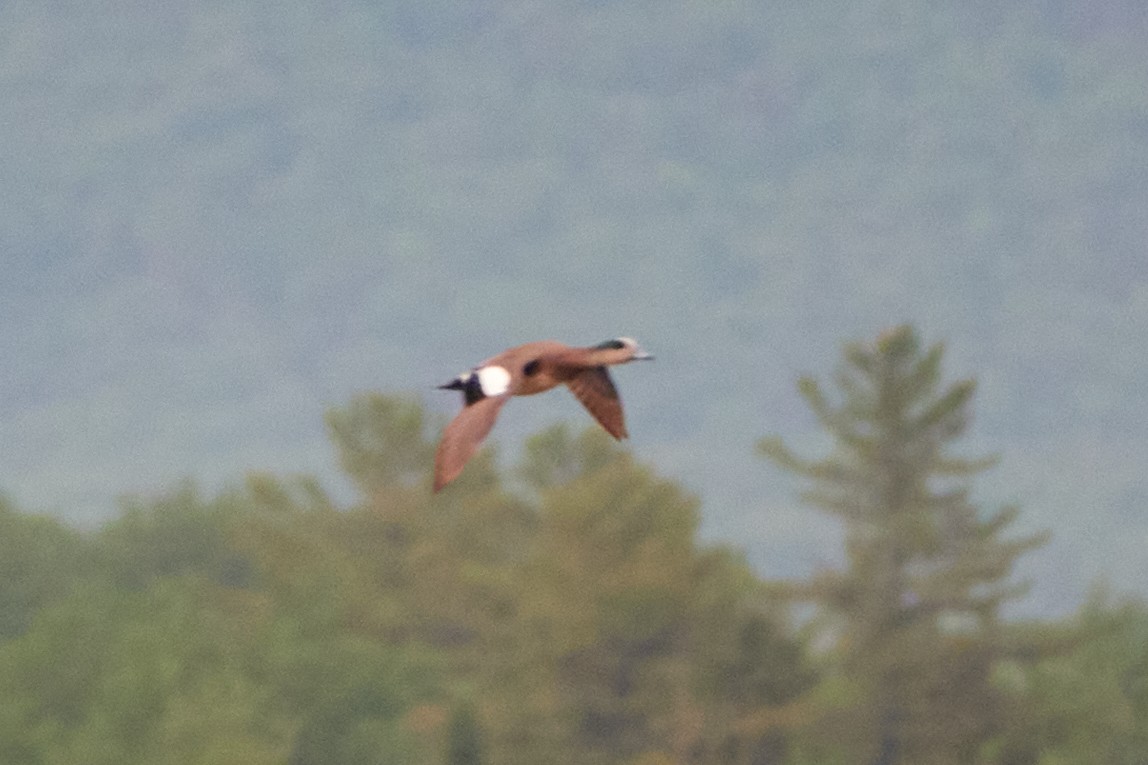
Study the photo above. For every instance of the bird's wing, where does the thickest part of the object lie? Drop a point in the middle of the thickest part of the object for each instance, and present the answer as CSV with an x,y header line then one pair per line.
x,y
594,388
462,436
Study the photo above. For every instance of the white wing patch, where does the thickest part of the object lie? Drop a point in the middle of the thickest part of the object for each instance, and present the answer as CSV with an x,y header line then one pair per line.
x,y
494,380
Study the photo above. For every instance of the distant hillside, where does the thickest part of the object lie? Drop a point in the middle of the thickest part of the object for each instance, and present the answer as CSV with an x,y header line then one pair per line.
x,y
216,222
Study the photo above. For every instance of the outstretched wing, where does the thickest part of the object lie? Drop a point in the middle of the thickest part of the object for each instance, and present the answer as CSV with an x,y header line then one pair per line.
x,y
462,436
594,388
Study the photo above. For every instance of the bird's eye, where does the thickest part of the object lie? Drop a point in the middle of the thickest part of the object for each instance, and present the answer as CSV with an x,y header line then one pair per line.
x,y
530,368
612,345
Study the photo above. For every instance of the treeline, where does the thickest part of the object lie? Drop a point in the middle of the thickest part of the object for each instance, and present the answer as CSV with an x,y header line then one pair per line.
x,y
566,613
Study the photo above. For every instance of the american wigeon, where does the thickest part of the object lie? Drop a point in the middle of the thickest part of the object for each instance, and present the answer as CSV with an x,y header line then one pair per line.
x,y
523,371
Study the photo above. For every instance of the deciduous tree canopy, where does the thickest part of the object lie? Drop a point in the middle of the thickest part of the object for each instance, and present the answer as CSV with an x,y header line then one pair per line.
x,y
564,612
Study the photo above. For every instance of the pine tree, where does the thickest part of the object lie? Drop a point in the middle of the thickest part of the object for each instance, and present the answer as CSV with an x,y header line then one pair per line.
x,y
915,613
636,642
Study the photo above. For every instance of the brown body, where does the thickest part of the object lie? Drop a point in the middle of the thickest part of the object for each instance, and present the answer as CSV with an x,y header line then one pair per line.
x,y
524,371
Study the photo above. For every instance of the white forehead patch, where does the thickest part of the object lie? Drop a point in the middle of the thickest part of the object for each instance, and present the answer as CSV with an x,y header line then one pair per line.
x,y
629,342
494,380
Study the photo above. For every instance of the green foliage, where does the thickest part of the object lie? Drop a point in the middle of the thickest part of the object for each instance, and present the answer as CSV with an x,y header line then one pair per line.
x,y
349,695
175,534
584,624
915,614
555,457
1088,702
608,585
637,638
381,441
39,559
116,676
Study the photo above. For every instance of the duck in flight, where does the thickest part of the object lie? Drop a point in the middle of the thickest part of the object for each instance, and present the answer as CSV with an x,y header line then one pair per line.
x,y
523,371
